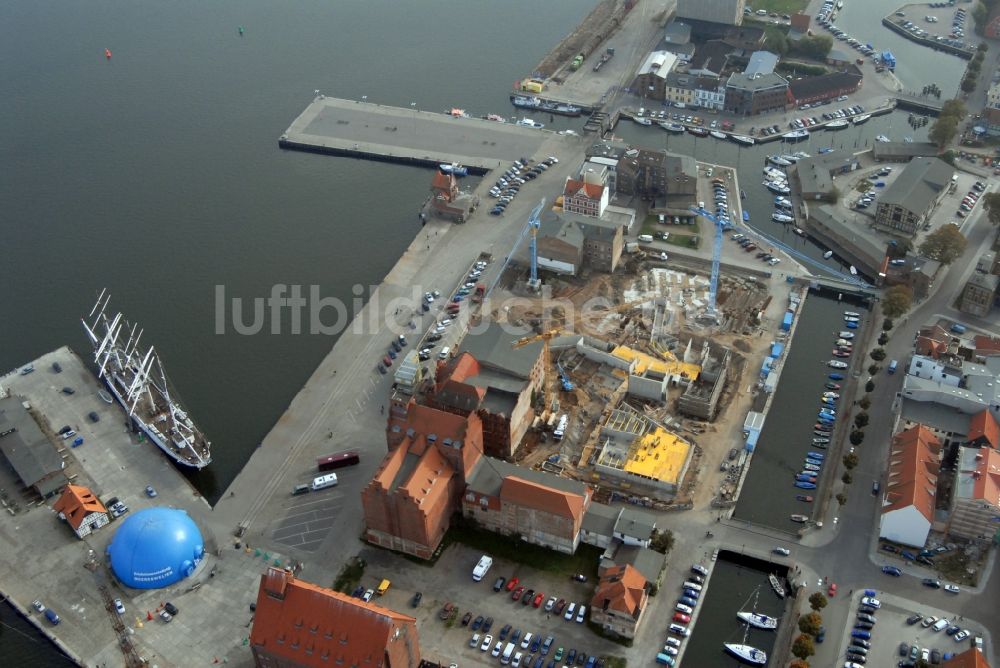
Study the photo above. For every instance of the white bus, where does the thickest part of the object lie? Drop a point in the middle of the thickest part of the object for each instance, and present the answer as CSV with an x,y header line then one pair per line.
x,y
324,481
560,429
482,567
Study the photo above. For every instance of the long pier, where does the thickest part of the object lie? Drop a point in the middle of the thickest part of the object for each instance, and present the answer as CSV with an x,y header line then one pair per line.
x,y
896,25
408,136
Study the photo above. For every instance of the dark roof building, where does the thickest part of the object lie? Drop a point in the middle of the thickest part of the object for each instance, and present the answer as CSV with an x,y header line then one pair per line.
x,y
908,202
710,59
901,151
814,176
29,452
299,624
749,95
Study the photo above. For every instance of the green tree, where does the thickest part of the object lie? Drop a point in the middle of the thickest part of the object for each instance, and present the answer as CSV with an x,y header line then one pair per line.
x,y
968,85
857,437
803,647
943,130
944,244
949,157
810,623
878,354
662,541
954,108
776,40
817,601
841,499
865,402
873,369
991,202
861,420
799,663
850,461
883,339
887,325
897,300
847,478
816,47
870,386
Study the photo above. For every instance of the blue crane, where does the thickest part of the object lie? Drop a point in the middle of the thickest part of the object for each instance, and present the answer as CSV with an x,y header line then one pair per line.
x,y
720,225
533,224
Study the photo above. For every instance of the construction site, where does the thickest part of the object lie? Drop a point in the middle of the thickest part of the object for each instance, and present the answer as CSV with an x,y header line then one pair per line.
x,y
641,393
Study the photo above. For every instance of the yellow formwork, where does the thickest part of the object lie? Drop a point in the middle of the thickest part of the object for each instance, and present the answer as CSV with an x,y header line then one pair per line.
x,y
646,363
659,455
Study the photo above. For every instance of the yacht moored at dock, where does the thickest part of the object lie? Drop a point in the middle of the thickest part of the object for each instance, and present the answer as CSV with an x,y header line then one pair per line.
x,y
743,139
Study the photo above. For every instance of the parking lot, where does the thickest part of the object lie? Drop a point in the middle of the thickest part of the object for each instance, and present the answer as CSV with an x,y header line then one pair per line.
x,y
450,581
897,625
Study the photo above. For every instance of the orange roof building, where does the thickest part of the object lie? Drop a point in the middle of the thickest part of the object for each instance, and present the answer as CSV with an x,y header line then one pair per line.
x,y
970,658
409,502
300,624
984,430
537,507
911,489
976,496
620,601
81,509
932,341
585,197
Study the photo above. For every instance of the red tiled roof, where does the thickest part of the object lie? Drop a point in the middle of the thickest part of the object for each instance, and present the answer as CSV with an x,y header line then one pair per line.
x,y
984,425
622,589
970,658
464,366
430,479
442,181
929,347
76,503
987,477
913,470
986,345
315,626
575,187
534,495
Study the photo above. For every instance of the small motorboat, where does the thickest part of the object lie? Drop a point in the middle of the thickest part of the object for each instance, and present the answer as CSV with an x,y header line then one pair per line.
x,y
837,125
827,255
882,138
776,585
642,121
851,318
852,314
831,395
746,216
820,439
807,468
817,432
743,139
801,519
454,169
775,174
676,128
717,134
815,455
803,498
825,150
863,118
105,397
814,462
799,231
528,123
835,364
777,188
832,386
805,478
841,353
743,194
805,485
783,201
697,132
836,376
846,335
851,325
796,135
778,160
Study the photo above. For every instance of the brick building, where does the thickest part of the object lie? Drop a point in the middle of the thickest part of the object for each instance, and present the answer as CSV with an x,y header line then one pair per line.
x,y
619,602
658,175
409,501
536,507
749,95
298,625
976,495
652,76
586,197
495,381
979,294
810,90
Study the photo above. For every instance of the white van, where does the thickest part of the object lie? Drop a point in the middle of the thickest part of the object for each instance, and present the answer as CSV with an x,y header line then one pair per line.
x,y
507,652
646,238
443,355
570,610
324,481
940,625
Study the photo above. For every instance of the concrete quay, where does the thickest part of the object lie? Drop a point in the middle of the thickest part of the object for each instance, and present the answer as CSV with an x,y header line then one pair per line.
x,y
408,136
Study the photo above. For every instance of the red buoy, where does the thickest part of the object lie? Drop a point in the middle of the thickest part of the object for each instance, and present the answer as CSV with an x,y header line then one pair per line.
x,y
107,53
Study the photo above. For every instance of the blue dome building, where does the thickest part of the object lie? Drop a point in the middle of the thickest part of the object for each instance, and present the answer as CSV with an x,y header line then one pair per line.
x,y
155,548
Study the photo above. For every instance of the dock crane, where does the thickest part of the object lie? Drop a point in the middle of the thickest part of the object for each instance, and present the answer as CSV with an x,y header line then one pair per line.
x,y
551,399
713,287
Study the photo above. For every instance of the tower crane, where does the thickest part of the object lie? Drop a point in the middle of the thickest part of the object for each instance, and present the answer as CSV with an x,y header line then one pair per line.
x,y
533,224
713,286
551,399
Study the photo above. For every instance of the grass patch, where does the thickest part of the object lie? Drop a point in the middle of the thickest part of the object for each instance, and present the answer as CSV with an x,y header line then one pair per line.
x,y
616,661
779,7
607,635
685,236
684,240
350,575
954,566
863,186
585,560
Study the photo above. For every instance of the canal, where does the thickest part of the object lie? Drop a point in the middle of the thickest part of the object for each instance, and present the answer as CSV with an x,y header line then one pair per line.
x,y
768,496
737,583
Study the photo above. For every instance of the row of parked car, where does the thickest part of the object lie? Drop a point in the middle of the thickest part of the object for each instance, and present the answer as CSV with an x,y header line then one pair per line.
x,y
678,629
536,651
971,198
509,185
552,605
912,653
